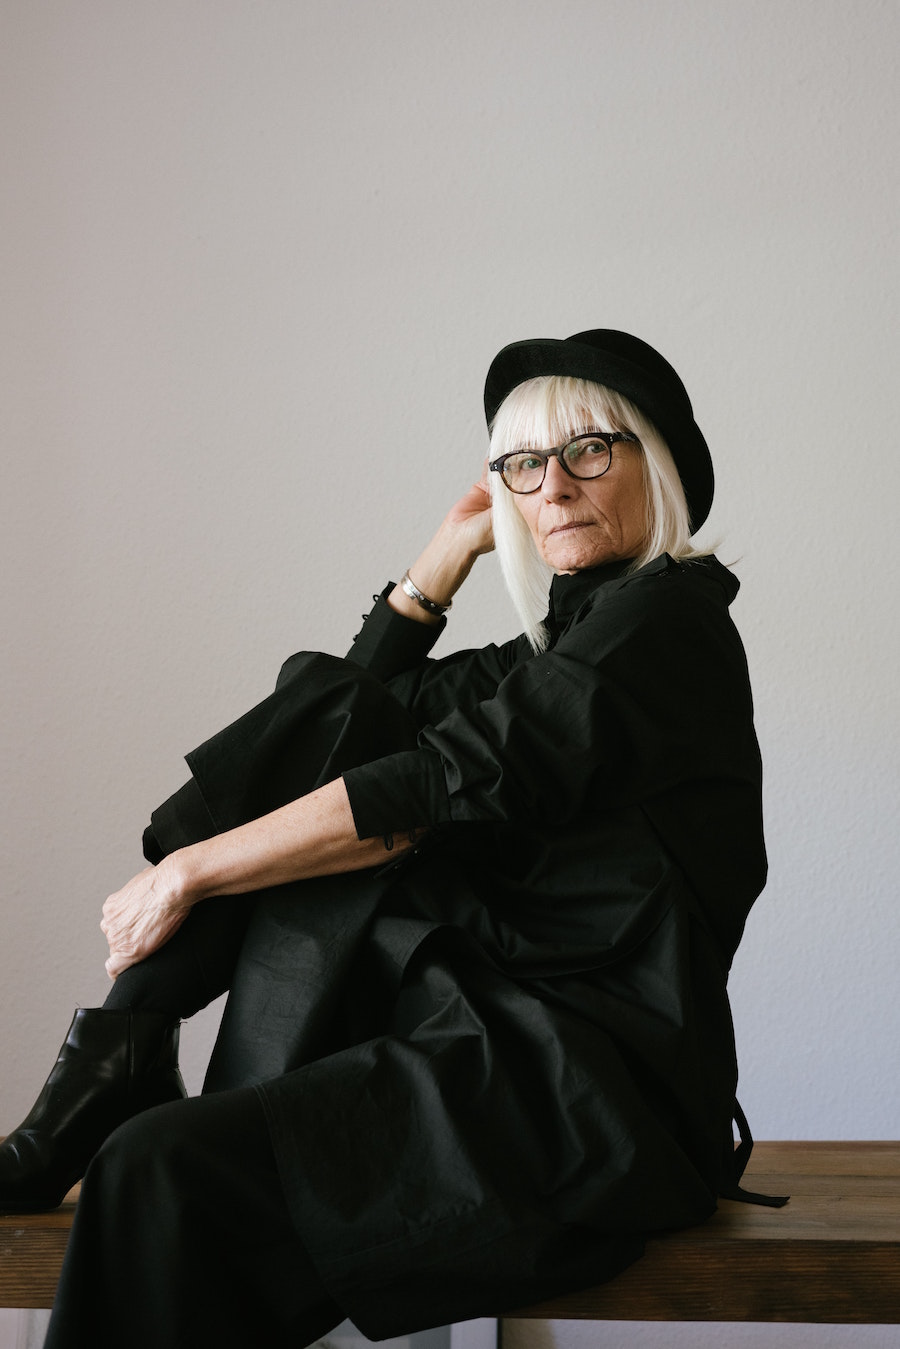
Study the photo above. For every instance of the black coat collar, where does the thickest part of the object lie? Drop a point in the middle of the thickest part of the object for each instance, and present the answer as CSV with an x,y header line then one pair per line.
x,y
569,592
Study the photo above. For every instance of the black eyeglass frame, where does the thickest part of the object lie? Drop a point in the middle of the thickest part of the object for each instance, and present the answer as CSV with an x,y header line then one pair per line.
x,y
609,438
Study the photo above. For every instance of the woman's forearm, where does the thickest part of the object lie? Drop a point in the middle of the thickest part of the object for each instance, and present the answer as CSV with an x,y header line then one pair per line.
x,y
440,569
313,836
438,572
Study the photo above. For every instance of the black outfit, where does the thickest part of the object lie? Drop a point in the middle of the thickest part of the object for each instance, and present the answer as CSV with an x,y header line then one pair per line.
x,y
489,1068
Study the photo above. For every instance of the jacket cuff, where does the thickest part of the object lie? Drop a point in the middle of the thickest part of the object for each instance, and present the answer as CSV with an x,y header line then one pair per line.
x,y
390,642
400,792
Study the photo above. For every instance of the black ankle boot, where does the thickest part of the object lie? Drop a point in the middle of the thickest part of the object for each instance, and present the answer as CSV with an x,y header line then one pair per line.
x,y
112,1065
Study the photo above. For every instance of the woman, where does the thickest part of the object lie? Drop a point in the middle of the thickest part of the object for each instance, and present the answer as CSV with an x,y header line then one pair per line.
x,y
475,915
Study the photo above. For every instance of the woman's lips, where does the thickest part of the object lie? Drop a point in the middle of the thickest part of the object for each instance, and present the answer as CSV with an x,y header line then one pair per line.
x,y
569,525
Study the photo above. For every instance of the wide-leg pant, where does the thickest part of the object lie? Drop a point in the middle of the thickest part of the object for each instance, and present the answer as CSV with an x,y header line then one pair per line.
x,y
182,1239
182,1235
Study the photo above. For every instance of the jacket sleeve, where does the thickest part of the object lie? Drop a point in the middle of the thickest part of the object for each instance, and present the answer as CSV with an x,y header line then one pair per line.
x,y
648,689
395,649
389,643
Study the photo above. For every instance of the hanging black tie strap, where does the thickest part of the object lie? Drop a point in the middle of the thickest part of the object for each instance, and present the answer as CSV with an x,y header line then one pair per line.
x,y
740,1156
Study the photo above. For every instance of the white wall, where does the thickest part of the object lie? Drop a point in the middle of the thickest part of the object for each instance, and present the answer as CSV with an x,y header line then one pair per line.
x,y
238,235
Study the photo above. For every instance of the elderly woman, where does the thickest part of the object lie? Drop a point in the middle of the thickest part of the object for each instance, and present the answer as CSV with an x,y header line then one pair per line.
x,y
475,914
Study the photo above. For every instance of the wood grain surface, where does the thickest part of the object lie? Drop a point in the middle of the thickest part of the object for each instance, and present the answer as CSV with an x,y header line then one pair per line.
x,y
832,1255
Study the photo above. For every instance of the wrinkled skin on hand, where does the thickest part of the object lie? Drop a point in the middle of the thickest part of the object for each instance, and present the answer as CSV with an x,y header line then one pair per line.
x,y
470,517
141,917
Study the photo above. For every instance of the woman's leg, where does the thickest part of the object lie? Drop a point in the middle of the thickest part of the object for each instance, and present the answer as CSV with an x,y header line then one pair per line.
x,y
325,716
123,1058
182,1238
197,964
193,968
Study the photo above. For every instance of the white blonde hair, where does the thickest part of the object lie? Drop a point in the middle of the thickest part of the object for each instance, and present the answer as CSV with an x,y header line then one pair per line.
x,y
544,411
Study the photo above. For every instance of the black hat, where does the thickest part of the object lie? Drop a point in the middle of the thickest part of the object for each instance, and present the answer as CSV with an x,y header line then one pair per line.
x,y
632,368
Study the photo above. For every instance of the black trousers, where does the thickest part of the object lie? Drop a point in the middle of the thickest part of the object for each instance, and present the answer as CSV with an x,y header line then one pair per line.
x,y
182,1239
182,1235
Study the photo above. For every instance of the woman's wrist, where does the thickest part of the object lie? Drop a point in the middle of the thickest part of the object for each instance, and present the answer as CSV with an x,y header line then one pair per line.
x,y
437,574
411,590
179,874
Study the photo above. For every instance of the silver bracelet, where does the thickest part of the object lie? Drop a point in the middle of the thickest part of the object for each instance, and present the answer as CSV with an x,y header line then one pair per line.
x,y
423,601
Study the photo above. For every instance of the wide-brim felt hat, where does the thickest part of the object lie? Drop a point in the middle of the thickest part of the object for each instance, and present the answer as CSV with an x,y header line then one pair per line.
x,y
631,367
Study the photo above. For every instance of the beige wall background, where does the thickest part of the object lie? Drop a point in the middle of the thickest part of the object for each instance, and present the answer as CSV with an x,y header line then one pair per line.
x,y
256,258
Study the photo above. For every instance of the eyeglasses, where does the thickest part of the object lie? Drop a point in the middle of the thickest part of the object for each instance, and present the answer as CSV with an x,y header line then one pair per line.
x,y
585,456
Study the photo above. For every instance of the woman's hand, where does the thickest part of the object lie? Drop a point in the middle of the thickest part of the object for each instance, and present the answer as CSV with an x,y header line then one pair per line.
x,y
141,917
464,534
470,518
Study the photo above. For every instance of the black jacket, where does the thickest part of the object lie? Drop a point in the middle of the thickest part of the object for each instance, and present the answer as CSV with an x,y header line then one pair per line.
x,y
492,1067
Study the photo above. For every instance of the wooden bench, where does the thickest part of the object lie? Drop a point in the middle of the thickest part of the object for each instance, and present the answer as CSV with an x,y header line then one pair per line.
x,y
833,1255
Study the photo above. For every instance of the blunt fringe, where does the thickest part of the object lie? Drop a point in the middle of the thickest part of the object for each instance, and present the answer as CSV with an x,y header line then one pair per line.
x,y
545,411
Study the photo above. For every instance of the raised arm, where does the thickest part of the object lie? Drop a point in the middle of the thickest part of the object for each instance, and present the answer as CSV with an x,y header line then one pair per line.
x,y
440,569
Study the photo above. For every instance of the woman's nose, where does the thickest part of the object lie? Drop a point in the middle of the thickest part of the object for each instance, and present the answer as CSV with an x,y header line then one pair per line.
x,y
558,484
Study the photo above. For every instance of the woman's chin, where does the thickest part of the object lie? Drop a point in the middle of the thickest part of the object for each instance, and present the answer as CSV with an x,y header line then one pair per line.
x,y
566,556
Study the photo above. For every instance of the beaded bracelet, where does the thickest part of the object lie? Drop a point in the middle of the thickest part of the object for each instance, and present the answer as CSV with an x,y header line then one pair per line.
x,y
406,585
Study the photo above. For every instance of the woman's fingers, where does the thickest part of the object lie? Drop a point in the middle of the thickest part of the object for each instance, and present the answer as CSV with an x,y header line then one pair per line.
x,y
472,513
139,919
140,941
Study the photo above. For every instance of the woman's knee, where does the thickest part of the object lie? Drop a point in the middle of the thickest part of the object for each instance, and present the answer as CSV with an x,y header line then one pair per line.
x,y
202,1138
139,1148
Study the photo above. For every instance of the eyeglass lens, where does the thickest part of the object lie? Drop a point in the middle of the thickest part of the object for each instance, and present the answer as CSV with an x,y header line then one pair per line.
x,y
586,458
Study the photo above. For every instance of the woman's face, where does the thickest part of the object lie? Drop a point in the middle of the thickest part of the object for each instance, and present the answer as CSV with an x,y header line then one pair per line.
x,y
578,523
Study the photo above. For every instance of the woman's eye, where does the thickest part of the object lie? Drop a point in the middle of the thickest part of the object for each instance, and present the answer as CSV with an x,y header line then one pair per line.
x,y
525,463
592,447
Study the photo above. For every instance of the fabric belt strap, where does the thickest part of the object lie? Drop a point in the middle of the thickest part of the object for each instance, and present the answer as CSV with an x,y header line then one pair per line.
x,y
732,1189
